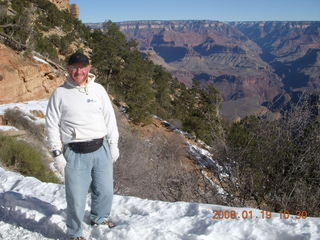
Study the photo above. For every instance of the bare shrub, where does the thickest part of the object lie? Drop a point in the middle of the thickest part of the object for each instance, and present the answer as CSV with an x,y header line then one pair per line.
x,y
275,165
177,177
19,119
157,168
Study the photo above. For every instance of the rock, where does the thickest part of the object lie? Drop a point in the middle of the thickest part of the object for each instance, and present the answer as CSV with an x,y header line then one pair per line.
x,y
3,121
38,113
24,79
256,60
208,51
65,5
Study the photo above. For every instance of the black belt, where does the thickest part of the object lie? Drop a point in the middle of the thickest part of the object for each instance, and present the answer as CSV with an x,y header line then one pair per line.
x,y
86,147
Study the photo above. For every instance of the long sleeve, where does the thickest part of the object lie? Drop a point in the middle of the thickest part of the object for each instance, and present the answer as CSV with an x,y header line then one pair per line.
x,y
110,119
53,116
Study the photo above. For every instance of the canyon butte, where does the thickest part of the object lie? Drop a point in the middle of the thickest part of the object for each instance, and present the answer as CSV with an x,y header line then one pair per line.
x,y
256,66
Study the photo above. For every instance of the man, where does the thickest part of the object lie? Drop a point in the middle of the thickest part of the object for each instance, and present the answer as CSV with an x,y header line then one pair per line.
x,y
81,123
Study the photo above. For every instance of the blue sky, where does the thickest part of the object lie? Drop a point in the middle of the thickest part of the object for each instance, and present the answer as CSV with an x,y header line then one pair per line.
x,y
221,10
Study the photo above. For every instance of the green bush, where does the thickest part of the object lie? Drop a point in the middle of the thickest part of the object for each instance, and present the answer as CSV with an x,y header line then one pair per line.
x,y
20,5
22,157
46,47
55,39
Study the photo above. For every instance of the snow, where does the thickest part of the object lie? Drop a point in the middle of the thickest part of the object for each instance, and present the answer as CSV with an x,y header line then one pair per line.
x,y
40,60
174,128
8,128
205,159
27,107
30,209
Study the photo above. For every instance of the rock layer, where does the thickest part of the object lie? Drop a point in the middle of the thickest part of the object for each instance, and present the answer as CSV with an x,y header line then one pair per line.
x,y
23,79
209,51
250,63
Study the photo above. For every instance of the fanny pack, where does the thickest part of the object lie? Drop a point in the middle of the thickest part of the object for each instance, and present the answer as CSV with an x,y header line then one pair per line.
x,y
86,147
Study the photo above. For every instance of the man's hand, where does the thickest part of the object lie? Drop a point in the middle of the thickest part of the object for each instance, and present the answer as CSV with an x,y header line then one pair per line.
x,y
60,163
114,152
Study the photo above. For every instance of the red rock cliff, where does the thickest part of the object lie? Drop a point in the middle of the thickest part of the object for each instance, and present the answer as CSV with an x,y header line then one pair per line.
x,y
23,79
65,5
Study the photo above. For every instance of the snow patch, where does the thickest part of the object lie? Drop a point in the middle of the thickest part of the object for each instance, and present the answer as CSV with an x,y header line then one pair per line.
x,y
27,107
40,60
8,128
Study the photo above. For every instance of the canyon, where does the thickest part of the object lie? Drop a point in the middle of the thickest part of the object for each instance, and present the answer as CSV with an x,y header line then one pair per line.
x,y
256,66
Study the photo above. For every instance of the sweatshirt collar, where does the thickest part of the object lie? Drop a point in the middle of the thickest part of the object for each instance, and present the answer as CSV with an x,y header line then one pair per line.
x,y
82,88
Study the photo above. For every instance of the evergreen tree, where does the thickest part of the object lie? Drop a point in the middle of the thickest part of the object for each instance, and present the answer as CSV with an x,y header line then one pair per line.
x,y
163,89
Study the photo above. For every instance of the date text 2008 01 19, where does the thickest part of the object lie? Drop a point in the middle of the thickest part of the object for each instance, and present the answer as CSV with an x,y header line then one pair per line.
x,y
232,214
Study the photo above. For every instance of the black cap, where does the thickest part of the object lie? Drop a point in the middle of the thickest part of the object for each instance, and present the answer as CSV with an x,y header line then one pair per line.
x,y
78,58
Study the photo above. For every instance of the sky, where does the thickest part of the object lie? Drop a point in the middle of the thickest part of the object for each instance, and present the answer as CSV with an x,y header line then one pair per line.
x,y
222,10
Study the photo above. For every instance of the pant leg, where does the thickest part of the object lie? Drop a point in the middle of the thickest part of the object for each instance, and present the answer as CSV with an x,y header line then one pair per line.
x,y
102,184
77,182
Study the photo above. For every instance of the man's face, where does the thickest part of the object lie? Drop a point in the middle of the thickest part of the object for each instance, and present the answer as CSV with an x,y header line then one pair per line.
x,y
79,73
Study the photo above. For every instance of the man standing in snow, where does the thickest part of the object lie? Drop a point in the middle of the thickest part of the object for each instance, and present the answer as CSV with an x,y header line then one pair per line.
x,y
81,123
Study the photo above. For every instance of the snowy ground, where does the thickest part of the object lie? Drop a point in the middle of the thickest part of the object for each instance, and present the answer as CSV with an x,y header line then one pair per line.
x,y
30,209
8,128
27,107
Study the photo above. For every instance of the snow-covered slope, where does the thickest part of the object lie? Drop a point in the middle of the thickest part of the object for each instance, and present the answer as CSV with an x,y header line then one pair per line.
x,y
30,209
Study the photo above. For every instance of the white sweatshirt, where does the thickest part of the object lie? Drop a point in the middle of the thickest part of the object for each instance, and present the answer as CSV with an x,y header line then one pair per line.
x,y
80,113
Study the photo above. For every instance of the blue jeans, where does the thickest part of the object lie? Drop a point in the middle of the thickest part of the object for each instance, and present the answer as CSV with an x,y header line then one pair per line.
x,y
83,171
